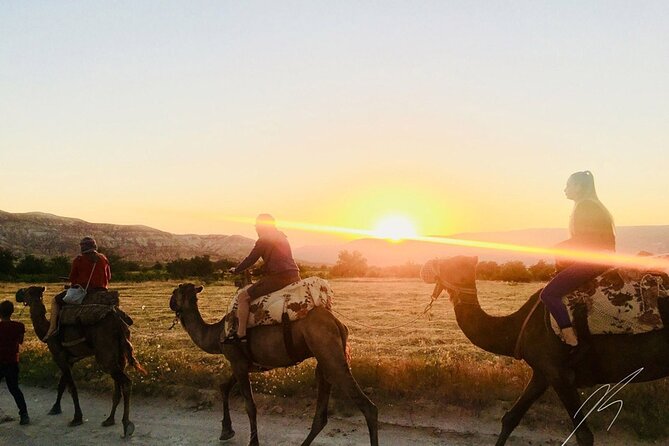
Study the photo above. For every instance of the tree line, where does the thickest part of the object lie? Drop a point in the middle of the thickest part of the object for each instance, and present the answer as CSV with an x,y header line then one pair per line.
x,y
30,268
353,264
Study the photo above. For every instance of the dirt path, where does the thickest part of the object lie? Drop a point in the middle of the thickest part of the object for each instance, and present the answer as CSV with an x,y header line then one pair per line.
x,y
173,422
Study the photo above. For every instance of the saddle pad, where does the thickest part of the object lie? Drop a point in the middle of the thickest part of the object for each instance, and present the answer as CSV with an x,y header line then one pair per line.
x,y
296,299
84,314
620,301
109,297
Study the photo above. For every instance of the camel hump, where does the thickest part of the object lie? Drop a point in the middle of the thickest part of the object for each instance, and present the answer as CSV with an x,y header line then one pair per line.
x,y
296,300
620,301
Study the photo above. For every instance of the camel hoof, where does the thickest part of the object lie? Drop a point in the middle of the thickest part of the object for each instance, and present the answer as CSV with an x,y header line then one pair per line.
x,y
128,429
227,435
108,422
55,410
76,422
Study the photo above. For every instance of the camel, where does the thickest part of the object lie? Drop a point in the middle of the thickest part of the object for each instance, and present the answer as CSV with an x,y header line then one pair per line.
x,y
612,358
108,341
319,335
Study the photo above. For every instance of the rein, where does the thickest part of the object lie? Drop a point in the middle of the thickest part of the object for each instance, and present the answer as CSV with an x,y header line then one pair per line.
x,y
438,288
455,292
176,321
428,307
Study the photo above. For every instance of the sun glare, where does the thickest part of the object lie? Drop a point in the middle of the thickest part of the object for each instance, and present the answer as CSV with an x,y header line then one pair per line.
x,y
395,228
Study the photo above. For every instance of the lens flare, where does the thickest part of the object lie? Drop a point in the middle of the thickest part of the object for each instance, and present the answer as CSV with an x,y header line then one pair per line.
x,y
605,258
395,228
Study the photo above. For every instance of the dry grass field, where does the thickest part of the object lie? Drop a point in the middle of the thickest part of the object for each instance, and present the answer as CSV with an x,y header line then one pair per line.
x,y
430,359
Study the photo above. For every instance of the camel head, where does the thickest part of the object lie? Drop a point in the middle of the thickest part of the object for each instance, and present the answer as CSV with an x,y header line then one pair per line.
x,y
450,273
184,297
31,295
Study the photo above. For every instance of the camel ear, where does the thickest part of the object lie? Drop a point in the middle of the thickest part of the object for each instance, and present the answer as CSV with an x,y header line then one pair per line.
x,y
43,289
198,289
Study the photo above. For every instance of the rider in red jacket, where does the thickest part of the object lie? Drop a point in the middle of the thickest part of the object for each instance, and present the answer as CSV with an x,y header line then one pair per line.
x,y
90,270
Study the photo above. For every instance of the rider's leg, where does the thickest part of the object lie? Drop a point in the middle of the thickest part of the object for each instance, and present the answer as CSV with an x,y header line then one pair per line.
x,y
565,282
53,322
242,312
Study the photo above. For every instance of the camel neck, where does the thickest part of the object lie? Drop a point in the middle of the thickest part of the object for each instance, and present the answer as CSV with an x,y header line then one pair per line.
x,y
206,336
496,334
38,318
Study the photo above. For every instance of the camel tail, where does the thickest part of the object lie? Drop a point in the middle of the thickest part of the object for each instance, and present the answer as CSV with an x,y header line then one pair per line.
x,y
130,356
129,351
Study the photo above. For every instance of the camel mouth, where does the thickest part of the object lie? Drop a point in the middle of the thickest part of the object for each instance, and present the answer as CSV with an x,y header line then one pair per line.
x,y
173,302
20,295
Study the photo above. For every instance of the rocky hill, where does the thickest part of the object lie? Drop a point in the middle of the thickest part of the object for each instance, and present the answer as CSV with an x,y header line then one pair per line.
x,y
50,235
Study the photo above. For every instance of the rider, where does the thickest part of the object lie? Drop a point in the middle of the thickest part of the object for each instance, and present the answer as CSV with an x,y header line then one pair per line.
x,y
591,227
89,264
279,267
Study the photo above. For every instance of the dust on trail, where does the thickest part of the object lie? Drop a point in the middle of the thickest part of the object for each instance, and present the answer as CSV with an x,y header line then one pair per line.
x,y
175,422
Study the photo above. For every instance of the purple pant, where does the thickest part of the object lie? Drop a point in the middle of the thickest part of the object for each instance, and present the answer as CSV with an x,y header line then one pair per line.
x,y
272,283
565,282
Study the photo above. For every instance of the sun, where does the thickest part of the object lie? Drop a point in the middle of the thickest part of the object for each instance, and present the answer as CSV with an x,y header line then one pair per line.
x,y
395,228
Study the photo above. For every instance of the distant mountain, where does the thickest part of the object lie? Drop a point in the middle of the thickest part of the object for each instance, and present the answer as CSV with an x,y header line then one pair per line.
x,y
49,235
630,239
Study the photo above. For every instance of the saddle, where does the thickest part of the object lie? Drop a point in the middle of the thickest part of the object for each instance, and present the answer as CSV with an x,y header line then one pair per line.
x,y
290,303
620,301
95,307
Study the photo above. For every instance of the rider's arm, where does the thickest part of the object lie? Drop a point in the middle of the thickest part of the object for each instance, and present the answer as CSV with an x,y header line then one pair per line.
x,y
74,272
107,268
591,225
253,257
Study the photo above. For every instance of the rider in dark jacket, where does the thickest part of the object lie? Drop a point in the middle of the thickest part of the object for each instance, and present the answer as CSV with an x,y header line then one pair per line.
x,y
279,267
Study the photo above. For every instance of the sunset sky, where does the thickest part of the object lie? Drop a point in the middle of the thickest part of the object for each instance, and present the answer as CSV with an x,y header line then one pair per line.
x,y
460,116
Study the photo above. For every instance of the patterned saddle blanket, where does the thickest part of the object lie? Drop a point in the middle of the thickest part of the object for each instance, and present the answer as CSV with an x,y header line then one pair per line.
x,y
620,301
297,299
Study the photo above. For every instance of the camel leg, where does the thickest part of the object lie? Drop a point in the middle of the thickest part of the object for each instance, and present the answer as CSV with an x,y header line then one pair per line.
x,y
226,424
245,386
534,389
324,340
369,409
337,372
62,384
126,384
571,402
110,421
321,417
78,416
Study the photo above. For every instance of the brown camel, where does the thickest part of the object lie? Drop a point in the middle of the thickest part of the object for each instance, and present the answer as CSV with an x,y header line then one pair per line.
x,y
612,358
318,335
108,341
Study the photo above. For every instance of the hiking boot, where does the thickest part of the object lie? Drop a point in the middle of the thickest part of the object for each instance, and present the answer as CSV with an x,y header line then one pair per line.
x,y
569,336
242,342
232,339
25,419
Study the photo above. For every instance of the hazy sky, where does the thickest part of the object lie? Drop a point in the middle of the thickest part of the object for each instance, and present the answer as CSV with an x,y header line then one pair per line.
x,y
463,116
